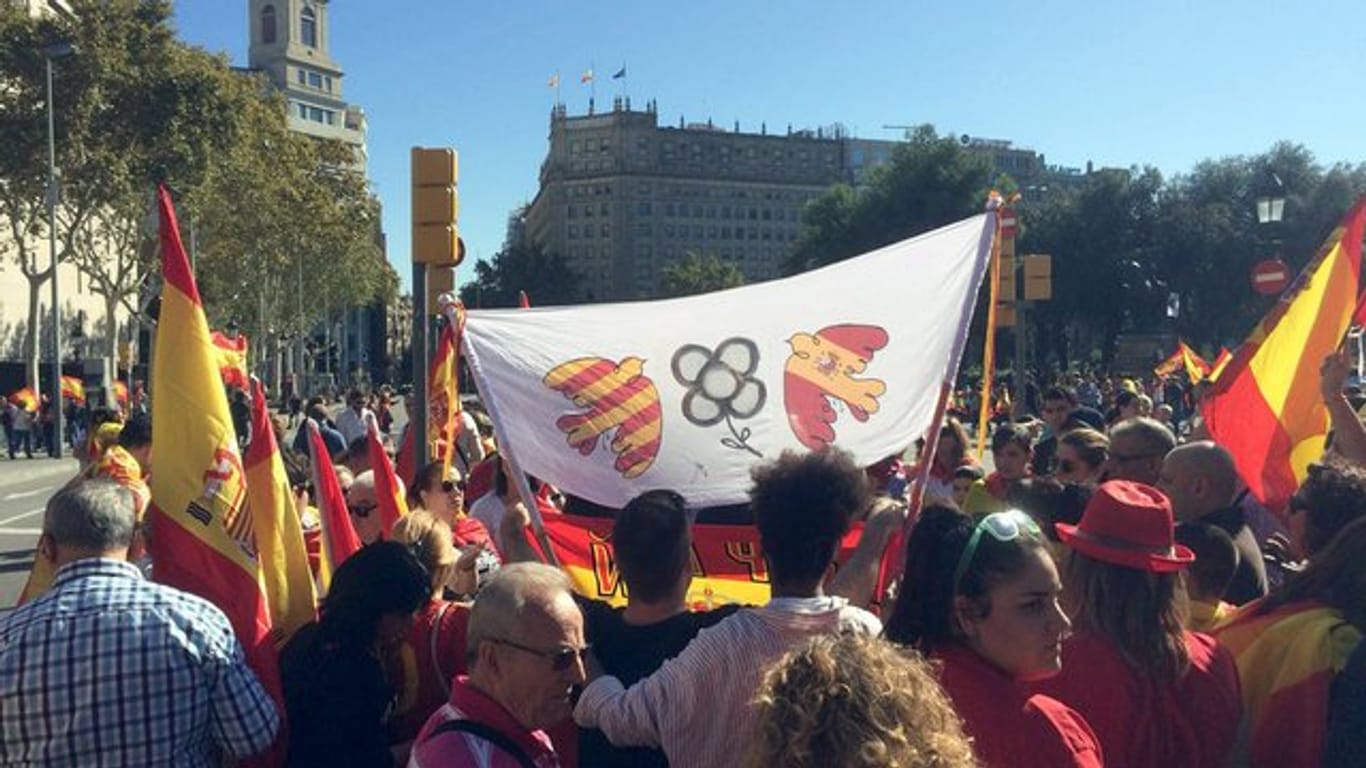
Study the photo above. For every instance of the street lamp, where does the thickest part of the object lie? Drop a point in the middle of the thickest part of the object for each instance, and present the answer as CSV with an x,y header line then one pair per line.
x,y
1271,203
50,52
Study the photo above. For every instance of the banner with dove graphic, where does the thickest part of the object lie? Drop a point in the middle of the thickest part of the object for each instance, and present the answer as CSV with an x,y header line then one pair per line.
x,y
607,401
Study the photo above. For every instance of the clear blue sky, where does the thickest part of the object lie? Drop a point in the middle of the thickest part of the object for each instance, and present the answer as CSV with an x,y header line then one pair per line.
x,y
1166,82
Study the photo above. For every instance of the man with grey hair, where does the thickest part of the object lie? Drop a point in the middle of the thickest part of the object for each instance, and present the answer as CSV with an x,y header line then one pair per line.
x,y
1201,480
1137,447
525,650
107,668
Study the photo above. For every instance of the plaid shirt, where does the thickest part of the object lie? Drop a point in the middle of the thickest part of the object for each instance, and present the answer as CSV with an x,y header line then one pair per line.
x,y
109,669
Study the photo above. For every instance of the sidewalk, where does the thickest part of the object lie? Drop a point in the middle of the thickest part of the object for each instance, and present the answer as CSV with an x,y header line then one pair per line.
x,y
22,470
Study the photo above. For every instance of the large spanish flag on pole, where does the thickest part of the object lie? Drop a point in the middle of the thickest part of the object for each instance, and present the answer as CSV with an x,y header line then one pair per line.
x,y
1265,408
279,535
443,403
198,492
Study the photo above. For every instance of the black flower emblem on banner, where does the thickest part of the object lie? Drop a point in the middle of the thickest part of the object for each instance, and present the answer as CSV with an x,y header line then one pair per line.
x,y
721,387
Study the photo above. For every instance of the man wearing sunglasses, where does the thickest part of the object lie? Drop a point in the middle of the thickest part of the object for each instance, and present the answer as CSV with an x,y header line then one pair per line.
x,y
525,653
1137,448
362,502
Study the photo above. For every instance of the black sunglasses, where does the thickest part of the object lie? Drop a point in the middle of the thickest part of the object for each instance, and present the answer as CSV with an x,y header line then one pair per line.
x,y
560,659
449,486
361,510
1067,466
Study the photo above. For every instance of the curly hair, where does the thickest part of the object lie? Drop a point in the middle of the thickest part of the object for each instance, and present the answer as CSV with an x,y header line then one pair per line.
x,y
803,504
1333,494
851,700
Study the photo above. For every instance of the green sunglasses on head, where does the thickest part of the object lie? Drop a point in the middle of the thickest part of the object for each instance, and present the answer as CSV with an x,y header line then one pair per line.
x,y
1003,526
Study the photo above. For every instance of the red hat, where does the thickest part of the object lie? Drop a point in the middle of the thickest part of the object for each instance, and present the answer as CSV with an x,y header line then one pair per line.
x,y
1130,525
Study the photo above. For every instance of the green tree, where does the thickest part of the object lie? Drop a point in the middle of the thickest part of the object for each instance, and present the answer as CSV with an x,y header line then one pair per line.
x,y
521,266
696,273
930,181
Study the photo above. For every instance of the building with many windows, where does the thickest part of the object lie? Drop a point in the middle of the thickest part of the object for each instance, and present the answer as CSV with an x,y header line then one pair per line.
x,y
621,196
289,43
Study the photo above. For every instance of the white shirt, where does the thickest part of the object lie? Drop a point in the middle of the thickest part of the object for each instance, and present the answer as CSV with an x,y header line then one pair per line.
x,y
353,425
697,707
488,509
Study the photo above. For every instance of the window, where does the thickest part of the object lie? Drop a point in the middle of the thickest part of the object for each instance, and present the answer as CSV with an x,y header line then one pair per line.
x,y
268,25
573,212
303,76
308,27
606,230
315,80
643,209
573,232
303,110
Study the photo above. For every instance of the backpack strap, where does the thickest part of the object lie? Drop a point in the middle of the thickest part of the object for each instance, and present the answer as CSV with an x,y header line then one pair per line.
x,y
487,734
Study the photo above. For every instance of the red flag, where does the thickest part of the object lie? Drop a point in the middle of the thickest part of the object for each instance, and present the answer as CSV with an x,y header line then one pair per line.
x,y
200,533
339,539
388,490
523,300
232,359
443,402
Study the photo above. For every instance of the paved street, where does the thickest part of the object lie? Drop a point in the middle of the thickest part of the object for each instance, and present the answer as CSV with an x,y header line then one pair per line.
x,y
25,486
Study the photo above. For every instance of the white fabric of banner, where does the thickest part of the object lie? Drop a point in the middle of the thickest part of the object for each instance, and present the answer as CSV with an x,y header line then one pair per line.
x,y
607,401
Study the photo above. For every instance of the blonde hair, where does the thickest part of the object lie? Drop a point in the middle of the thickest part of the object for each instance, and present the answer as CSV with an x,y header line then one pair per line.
x,y
430,541
852,700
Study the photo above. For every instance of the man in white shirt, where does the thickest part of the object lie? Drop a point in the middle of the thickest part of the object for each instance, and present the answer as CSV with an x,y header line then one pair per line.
x,y
356,420
696,708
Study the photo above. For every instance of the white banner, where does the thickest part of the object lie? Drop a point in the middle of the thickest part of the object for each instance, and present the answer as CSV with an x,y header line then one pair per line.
x,y
607,401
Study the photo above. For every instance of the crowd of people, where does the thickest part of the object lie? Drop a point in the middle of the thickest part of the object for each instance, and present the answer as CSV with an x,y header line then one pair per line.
x,y
1108,593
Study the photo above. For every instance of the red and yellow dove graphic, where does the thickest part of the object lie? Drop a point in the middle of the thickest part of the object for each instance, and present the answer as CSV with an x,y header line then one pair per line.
x,y
824,366
617,396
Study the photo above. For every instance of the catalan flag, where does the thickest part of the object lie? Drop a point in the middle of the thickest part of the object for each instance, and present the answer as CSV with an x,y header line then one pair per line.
x,y
389,493
198,491
339,539
279,534
232,359
1266,408
1287,659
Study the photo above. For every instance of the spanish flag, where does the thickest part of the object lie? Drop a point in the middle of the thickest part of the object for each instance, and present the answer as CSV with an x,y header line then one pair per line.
x,y
198,490
121,393
339,539
1220,363
232,359
279,534
443,402
73,389
1183,359
388,490
25,399
1287,659
1265,408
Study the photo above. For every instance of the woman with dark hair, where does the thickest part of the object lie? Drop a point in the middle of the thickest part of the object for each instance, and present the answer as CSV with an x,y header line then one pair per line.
x,y
982,601
1291,644
950,454
1081,456
1156,694
336,693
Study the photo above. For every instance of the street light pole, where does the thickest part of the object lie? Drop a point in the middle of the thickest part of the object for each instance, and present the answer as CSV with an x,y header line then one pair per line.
x,y
51,52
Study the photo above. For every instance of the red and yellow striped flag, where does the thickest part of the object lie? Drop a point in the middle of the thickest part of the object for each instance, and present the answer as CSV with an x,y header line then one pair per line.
x,y
388,490
198,492
1220,363
443,403
279,534
232,359
73,389
338,536
25,399
1266,408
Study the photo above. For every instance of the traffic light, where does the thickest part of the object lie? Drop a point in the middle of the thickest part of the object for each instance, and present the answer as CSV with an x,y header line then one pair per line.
x,y
1038,278
439,280
436,208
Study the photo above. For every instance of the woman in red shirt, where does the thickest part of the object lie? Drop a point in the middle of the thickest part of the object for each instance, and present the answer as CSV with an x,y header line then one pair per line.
x,y
420,668
982,600
1156,694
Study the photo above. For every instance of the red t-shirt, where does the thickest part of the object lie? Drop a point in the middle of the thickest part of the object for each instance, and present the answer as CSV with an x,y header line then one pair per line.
x,y
1009,726
421,682
1143,722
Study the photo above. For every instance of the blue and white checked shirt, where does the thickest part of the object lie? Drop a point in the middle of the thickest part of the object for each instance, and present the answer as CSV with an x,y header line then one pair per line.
x,y
108,669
